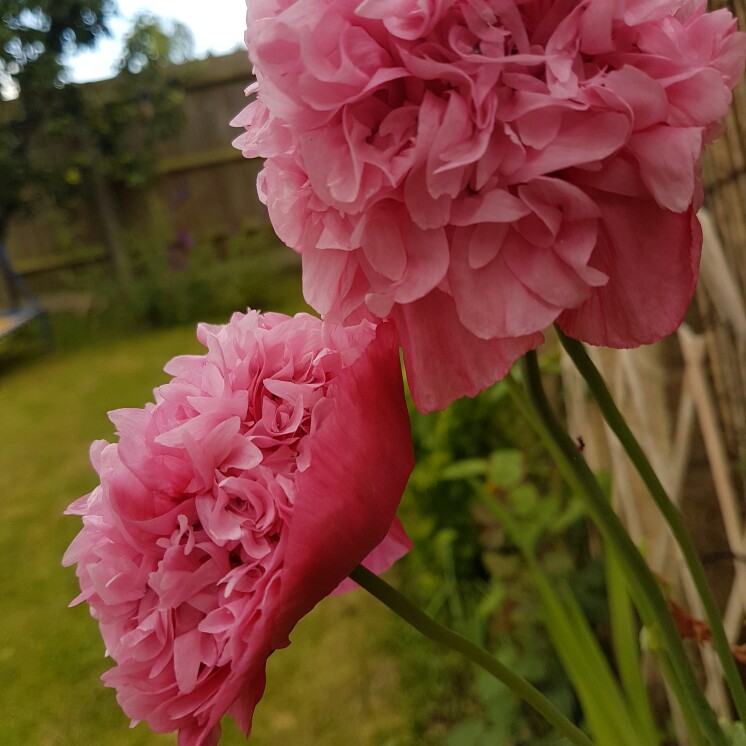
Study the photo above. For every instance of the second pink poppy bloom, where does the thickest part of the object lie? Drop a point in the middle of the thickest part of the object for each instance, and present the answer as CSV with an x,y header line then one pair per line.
x,y
266,470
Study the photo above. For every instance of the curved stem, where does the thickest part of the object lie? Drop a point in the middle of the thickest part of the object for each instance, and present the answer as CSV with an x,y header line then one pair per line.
x,y
428,627
520,400
678,693
648,596
668,510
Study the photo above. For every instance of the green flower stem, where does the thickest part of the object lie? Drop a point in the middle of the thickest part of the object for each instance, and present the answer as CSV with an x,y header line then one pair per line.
x,y
668,510
678,693
428,627
643,586
690,717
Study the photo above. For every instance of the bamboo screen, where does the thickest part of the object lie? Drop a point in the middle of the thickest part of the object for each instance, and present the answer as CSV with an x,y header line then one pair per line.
x,y
686,401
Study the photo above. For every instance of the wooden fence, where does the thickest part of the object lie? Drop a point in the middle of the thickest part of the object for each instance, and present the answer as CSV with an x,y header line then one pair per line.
x,y
204,185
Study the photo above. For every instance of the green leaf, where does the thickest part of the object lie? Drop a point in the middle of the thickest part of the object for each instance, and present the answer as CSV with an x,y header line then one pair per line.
x,y
735,733
524,499
507,467
608,717
491,602
625,640
464,734
466,469
572,513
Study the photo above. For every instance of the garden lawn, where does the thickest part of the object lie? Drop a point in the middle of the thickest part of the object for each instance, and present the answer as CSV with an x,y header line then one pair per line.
x,y
334,685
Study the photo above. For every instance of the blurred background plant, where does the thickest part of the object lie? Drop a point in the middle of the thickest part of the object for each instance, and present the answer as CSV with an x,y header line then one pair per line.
x,y
468,571
33,39
175,279
57,141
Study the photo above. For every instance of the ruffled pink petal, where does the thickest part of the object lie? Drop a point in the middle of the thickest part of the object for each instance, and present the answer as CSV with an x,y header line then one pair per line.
x,y
493,301
189,584
327,276
582,139
668,160
243,686
651,257
698,100
444,360
448,115
393,245
645,96
410,19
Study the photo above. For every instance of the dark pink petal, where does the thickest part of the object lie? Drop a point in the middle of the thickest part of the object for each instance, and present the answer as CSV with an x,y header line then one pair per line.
x,y
651,256
361,458
393,547
668,159
444,360
493,301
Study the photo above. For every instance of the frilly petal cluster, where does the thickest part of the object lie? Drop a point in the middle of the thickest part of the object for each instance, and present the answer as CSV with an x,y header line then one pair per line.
x,y
480,169
266,470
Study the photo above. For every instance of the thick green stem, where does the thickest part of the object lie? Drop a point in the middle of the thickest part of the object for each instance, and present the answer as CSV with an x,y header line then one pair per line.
x,y
417,618
642,584
668,510
521,401
678,693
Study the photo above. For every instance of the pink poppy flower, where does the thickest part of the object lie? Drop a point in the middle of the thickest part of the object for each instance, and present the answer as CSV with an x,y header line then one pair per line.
x,y
265,472
479,169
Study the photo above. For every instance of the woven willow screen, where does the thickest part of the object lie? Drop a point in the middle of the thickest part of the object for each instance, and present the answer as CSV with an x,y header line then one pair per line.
x,y
686,398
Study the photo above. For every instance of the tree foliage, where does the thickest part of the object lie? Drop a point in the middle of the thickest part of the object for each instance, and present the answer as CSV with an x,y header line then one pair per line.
x,y
35,35
54,133
144,104
34,38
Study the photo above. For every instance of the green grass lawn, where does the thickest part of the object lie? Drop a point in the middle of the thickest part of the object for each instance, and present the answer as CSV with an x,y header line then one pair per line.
x,y
334,685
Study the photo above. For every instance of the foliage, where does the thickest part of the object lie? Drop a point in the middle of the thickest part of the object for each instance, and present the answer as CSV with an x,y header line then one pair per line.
x,y
56,134
150,41
467,569
735,733
176,279
34,37
143,105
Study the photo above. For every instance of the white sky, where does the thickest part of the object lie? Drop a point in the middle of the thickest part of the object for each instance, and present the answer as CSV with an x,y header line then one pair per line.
x,y
217,25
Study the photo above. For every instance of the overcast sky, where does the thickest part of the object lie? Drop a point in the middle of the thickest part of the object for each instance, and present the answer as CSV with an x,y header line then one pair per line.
x,y
217,25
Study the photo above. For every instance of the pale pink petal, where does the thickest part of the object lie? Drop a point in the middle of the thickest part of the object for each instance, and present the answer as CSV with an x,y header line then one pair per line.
x,y
668,158
444,360
651,257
